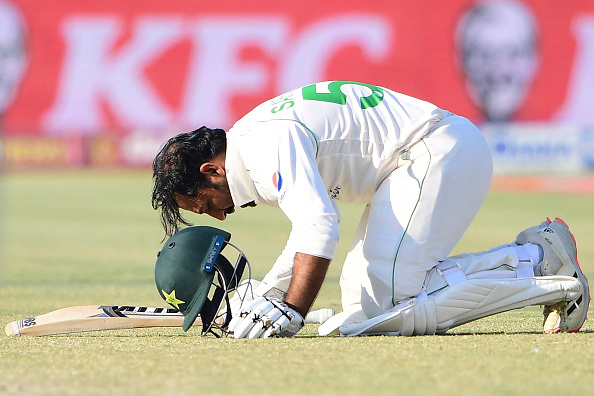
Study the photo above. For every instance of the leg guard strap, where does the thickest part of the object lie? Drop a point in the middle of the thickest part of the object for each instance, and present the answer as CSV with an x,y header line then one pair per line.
x,y
524,268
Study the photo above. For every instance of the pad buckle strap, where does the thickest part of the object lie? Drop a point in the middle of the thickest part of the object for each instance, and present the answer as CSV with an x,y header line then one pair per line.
x,y
452,272
525,267
446,273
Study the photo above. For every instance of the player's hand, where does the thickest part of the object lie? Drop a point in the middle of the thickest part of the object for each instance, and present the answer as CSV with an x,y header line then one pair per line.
x,y
266,317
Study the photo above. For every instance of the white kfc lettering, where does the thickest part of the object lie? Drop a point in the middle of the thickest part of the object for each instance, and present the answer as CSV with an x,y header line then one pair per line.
x,y
579,106
91,74
95,74
217,73
320,42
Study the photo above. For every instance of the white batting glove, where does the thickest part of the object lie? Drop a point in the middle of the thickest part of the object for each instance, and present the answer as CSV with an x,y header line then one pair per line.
x,y
266,317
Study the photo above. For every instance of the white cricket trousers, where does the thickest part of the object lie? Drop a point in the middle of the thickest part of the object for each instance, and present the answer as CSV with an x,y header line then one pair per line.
x,y
417,216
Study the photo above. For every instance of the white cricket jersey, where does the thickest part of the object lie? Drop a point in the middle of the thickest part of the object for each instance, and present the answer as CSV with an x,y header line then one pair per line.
x,y
332,140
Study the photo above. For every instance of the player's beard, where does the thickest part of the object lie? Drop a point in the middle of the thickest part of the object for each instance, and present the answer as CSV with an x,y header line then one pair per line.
x,y
222,190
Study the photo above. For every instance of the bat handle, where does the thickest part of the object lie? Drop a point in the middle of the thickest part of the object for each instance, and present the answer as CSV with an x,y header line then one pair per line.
x,y
12,329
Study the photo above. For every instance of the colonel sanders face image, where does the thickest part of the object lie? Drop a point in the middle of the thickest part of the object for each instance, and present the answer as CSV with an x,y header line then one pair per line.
x,y
496,43
13,57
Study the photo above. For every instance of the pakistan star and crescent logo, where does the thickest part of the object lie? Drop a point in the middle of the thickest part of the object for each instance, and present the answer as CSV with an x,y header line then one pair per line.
x,y
171,299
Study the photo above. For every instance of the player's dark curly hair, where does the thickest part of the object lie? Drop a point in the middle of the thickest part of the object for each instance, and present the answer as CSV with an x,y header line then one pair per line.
x,y
176,169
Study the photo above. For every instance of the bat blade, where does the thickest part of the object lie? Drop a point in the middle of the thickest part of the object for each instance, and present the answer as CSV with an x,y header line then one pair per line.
x,y
95,318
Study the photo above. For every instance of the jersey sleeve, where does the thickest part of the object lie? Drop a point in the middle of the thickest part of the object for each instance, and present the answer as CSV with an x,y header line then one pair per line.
x,y
285,164
303,196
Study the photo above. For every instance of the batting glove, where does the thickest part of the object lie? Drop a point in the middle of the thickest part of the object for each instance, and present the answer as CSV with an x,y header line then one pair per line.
x,y
266,317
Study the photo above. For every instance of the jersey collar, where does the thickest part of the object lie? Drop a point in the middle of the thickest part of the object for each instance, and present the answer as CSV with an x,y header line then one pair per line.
x,y
241,185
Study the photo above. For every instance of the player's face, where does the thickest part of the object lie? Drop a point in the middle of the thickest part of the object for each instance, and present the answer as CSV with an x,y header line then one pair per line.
x,y
214,200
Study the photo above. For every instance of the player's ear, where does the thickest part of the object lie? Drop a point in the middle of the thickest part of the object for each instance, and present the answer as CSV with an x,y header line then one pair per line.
x,y
212,170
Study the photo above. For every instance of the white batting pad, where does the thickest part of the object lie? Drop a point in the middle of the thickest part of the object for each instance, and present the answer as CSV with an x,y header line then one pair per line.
x,y
464,302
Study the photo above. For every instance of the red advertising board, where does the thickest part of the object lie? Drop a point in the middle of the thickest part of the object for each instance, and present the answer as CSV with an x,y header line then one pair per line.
x,y
86,67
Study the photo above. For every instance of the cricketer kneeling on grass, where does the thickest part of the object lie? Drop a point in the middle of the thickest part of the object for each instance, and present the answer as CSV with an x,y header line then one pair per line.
x,y
423,172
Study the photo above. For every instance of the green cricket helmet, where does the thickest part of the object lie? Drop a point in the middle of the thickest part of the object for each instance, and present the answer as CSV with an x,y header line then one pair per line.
x,y
193,276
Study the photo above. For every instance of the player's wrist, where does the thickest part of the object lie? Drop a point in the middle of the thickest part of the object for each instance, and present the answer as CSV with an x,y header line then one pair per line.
x,y
300,310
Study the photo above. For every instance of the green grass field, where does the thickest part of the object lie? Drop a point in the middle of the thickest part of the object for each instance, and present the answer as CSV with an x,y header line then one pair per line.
x,y
80,238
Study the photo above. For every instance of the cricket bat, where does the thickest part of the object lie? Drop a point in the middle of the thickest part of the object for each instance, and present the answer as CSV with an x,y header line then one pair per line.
x,y
113,317
94,318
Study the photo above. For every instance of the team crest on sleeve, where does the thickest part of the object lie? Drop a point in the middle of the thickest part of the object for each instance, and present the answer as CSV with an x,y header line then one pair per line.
x,y
277,180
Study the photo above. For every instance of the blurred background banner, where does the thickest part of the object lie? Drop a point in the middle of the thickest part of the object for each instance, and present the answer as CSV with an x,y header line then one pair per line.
x,y
104,83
